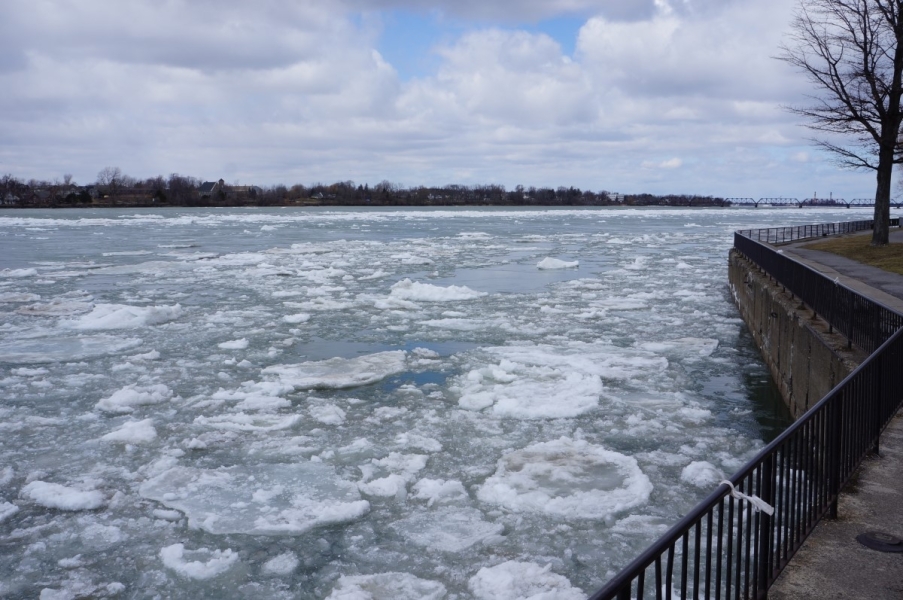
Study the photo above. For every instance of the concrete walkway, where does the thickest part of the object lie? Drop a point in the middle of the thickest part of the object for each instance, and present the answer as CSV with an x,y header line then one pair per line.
x,y
880,285
832,564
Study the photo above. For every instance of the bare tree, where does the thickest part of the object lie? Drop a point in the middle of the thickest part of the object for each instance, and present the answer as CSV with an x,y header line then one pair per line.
x,y
851,51
110,178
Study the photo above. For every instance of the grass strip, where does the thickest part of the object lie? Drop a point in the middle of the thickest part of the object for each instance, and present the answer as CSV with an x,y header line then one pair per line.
x,y
859,248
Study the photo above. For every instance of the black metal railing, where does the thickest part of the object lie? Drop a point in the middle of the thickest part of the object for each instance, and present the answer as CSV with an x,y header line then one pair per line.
x,y
780,235
865,322
725,548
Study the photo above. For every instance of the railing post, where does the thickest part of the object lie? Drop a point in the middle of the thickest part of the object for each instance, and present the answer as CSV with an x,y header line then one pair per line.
x,y
765,527
835,445
850,321
877,401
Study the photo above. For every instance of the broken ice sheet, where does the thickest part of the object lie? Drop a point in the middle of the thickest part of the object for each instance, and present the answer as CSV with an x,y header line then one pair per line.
x,y
386,586
338,373
447,529
275,499
567,478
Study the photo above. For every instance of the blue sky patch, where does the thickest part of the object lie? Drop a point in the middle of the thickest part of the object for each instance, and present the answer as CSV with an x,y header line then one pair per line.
x,y
408,38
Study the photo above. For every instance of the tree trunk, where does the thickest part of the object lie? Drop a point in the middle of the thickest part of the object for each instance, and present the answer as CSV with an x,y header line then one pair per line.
x,y
882,198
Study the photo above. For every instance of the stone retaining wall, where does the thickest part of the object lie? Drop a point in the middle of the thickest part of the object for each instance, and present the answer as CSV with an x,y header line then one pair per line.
x,y
806,360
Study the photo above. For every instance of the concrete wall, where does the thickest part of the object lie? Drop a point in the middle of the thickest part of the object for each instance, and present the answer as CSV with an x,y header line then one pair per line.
x,y
805,359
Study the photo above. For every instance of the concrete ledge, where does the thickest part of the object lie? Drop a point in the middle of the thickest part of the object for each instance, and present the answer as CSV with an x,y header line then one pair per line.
x,y
805,360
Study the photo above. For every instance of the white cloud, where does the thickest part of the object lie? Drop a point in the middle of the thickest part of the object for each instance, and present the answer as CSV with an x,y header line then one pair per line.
x,y
296,92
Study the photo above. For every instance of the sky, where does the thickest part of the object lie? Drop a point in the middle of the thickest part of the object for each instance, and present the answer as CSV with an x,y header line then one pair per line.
x,y
659,96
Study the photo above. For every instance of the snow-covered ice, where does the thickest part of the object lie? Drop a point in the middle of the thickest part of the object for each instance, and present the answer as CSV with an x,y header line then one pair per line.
x,y
338,372
549,263
129,398
274,499
61,497
567,478
513,580
386,586
191,564
447,529
118,316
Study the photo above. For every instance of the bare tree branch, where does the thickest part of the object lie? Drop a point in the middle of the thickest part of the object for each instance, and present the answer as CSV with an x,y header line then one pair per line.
x,y
851,51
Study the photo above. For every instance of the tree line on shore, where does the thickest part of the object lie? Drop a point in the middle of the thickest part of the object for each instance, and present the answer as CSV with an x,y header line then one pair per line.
x,y
113,188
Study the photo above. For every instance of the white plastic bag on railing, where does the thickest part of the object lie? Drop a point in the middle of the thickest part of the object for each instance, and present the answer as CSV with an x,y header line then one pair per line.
x,y
756,502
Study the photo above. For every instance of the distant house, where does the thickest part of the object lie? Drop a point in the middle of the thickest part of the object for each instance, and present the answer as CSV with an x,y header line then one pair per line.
x,y
9,199
209,188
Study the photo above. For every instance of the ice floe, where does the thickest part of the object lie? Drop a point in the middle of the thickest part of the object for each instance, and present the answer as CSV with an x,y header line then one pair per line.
x,y
701,474
119,316
686,346
239,344
265,499
284,564
12,297
127,399
567,478
514,580
62,348
439,490
61,497
448,529
549,263
7,509
244,422
386,586
133,432
16,273
336,373
200,564
426,292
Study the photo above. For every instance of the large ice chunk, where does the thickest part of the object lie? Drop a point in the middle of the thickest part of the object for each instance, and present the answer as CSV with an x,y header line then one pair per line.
x,y
567,478
447,529
702,474
529,385
542,381
514,580
268,499
121,316
549,263
337,373
54,495
128,398
688,346
7,509
207,563
386,586
133,432
62,349
55,308
425,292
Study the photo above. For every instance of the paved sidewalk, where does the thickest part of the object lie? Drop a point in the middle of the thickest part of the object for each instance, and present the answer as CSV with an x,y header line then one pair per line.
x,y
832,564
882,286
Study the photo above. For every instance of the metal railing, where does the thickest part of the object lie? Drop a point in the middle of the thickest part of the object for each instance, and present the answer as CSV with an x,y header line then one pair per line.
x,y
725,548
780,235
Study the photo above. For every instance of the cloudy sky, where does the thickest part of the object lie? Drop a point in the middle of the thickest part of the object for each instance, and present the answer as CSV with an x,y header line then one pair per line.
x,y
662,96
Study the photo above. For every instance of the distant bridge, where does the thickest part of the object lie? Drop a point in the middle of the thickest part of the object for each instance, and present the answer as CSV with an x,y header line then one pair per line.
x,y
808,202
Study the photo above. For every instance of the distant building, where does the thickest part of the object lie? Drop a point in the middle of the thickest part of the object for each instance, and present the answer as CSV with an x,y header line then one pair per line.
x,y
212,189
209,188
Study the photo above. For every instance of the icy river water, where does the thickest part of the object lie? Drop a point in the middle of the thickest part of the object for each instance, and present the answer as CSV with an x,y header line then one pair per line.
x,y
351,404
